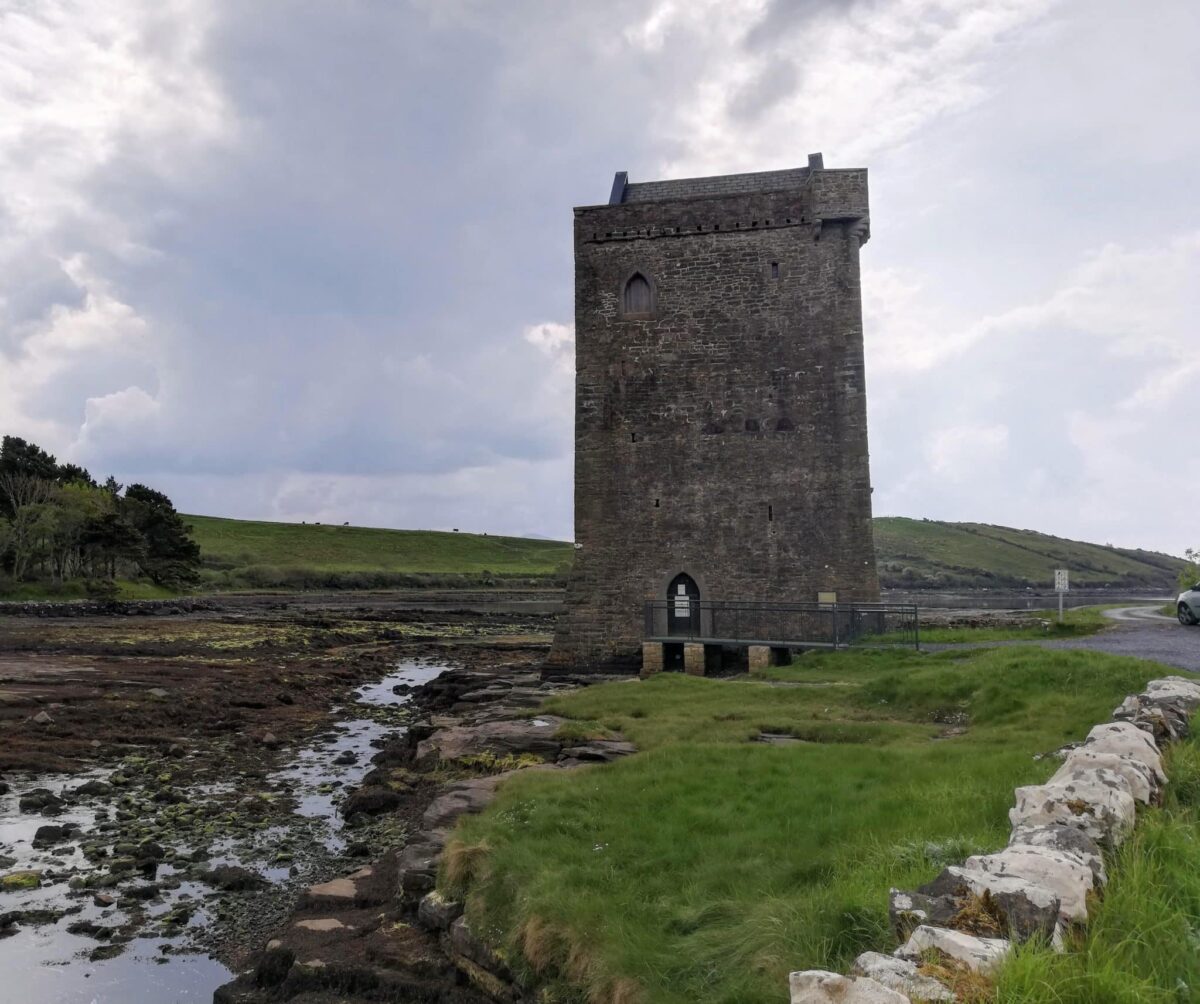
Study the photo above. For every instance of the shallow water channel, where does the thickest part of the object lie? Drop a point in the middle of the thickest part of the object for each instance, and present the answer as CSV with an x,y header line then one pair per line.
x,y
165,961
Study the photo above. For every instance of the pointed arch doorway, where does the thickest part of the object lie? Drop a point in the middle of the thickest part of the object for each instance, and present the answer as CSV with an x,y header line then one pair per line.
x,y
683,606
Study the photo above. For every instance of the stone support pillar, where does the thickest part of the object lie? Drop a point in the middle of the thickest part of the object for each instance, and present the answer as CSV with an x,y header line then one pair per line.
x,y
759,657
693,659
652,658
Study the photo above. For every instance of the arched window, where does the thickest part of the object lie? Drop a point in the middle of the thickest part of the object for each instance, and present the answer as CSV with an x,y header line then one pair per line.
x,y
638,297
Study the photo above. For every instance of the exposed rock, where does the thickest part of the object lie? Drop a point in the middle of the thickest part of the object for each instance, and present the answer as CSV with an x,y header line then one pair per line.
x,y
233,878
368,886
979,954
463,943
417,863
460,799
345,758
40,800
371,800
900,975
1177,690
321,924
1128,740
43,718
273,965
988,905
1104,812
14,881
149,849
599,751
91,789
816,986
1065,875
1138,777
48,834
1069,839
533,735
436,913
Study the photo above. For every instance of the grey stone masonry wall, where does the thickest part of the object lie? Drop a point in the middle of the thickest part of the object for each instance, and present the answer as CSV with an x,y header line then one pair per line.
x,y
722,433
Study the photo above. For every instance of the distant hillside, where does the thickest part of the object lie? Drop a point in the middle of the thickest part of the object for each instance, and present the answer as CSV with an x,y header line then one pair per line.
x,y
912,553
246,553
927,554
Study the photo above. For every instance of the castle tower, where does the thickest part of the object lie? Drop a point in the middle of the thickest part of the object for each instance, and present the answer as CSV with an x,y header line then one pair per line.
x,y
720,401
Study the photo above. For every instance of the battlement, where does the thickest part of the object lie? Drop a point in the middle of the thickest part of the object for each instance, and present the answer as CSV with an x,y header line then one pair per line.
x,y
804,196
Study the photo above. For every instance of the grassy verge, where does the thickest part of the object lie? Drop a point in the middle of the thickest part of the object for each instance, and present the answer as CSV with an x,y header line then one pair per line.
x,y
1140,946
1076,623
707,866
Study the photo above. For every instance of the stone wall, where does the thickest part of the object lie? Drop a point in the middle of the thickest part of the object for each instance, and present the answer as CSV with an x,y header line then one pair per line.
x,y
723,434
970,916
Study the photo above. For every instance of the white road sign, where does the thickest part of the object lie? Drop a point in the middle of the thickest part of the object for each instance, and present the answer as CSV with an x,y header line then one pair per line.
x,y
1061,583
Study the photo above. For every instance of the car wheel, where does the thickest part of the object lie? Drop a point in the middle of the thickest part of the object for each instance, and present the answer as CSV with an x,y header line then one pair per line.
x,y
1185,615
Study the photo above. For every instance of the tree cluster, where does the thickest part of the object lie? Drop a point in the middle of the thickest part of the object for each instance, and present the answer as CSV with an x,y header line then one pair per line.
x,y
58,524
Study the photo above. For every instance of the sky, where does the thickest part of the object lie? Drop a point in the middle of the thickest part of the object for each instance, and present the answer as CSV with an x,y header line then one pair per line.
x,y
311,260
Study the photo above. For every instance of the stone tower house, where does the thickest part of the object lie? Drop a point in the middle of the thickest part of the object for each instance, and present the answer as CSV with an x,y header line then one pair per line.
x,y
720,401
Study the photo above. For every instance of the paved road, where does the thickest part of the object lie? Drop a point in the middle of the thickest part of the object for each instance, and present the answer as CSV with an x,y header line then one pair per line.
x,y
1143,632
1139,631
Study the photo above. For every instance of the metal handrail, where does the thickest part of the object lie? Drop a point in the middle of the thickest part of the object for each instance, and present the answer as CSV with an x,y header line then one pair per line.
x,y
796,624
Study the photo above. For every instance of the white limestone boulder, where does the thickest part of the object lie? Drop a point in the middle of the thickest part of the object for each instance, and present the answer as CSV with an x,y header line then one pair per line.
x,y
1138,777
1176,690
1068,839
902,976
1126,739
1024,908
816,986
1102,809
1066,876
979,954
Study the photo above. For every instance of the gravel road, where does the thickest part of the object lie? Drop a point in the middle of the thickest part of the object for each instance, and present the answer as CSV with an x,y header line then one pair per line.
x,y
1139,631
1144,632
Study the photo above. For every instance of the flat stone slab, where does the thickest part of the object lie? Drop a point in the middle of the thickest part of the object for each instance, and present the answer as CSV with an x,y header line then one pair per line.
x,y
323,924
817,986
979,954
900,975
502,738
342,888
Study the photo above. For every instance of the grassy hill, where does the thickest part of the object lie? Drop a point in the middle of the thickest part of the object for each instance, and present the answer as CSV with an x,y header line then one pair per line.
x,y
926,554
913,554
259,554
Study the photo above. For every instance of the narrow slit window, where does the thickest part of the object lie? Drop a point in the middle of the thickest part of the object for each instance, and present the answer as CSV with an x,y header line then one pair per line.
x,y
770,514
774,270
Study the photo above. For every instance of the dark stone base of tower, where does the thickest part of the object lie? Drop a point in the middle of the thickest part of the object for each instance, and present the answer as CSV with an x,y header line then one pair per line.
x,y
720,411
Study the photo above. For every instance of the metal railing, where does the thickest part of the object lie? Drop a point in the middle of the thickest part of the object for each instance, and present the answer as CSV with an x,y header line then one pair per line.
x,y
784,625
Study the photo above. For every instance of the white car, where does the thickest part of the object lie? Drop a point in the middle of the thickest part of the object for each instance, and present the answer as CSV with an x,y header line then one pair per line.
x,y
1188,605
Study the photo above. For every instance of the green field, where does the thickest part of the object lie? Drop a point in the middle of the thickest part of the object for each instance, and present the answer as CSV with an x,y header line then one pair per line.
x,y
912,553
707,866
259,554
923,554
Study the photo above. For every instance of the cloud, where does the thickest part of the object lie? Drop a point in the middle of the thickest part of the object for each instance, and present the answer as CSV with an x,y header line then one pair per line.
x,y
956,453
314,261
